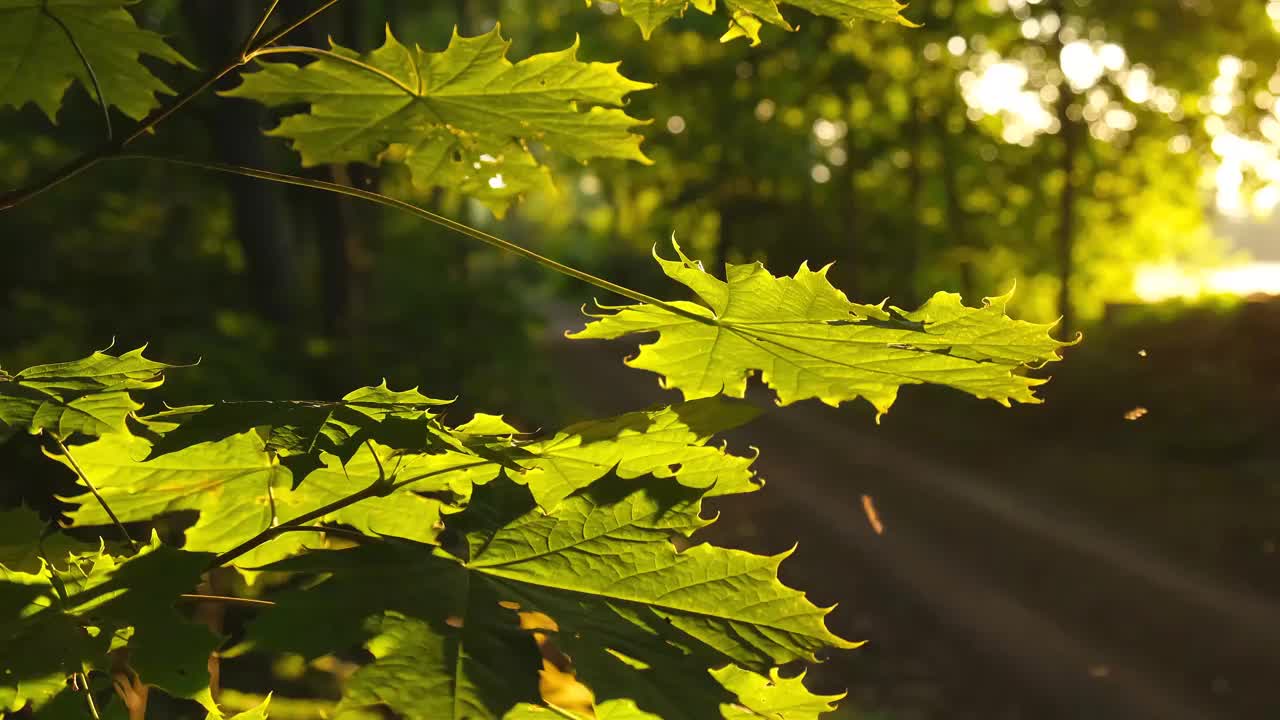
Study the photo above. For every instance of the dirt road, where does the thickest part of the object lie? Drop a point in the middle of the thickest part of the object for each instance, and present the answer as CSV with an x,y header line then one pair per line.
x,y
977,602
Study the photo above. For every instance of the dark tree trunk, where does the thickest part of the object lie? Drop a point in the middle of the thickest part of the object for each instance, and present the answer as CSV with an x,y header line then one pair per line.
x,y
235,131
1070,130
915,190
336,222
957,222
1066,235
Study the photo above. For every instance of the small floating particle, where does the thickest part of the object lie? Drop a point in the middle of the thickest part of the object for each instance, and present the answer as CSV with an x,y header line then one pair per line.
x,y
1135,413
1142,353
1099,671
873,517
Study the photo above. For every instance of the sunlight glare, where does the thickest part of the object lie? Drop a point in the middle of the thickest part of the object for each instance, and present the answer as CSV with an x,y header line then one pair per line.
x,y
1082,66
1156,283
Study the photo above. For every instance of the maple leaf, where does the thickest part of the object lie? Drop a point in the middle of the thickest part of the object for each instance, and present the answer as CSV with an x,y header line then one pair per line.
x,y
461,118
454,635
807,340
99,611
239,489
297,431
38,62
25,546
666,442
88,396
747,16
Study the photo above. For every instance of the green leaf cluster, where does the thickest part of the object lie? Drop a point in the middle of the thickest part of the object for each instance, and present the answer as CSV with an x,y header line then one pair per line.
x,y
87,612
88,396
517,573
465,118
45,45
747,17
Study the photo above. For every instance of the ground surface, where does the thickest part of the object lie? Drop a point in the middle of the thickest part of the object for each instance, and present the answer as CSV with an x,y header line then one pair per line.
x,y
979,601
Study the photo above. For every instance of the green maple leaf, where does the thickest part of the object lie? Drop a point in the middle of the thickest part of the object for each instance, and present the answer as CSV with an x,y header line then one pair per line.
x,y
462,118
663,442
88,396
240,489
25,544
38,62
452,635
807,340
667,442
758,697
297,431
771,697
258,712
100,611
747,16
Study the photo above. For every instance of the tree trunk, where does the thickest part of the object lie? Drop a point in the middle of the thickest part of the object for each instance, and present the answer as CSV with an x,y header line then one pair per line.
x,y
235,131
1070,131
915,190
957,222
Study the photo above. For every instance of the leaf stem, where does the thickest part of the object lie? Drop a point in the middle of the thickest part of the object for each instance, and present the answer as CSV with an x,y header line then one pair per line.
x,y
89,484
330,55
88,67
144,126
227,599
88,696
440,220
248,43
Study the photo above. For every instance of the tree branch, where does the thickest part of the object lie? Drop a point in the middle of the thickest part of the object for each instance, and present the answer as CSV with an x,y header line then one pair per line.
x,y
381,487
440,220
248,43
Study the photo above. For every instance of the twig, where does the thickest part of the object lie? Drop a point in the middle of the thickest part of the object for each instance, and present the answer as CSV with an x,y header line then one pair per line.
x,y
89,484
88,696
88,67
271,532
379,488
226,599
355,535
114,148
440,220
248,43
335,57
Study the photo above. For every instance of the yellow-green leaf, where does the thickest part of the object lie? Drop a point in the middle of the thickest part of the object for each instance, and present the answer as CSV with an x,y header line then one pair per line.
x,y
463,118
38,62
747,16
806,340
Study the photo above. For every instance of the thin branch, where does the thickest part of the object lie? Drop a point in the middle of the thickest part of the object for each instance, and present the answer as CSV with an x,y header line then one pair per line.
x,y
355,535
445,222
227,599
88,67
116,147
88,696
378,488
89,484
248,43
272,532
